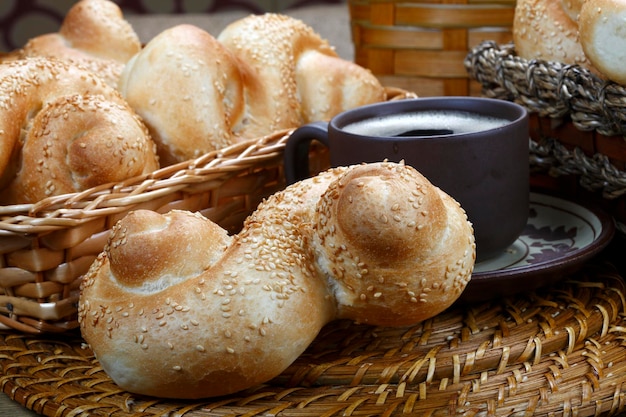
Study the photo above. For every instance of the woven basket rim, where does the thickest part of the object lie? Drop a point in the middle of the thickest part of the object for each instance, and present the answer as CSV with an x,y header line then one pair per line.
x,y
72,209
68,210
550,89
47,246
555,350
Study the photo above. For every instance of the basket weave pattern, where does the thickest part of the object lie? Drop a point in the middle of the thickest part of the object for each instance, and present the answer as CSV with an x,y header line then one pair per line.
x,y
46,247
578,121
420,45
557,351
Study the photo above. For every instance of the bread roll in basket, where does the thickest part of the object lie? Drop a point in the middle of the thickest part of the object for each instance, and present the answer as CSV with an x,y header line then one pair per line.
x,y
175,307
49,241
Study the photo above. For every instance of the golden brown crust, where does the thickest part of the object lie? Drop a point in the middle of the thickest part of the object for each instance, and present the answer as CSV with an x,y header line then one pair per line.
x,y
603,38
261,74
542,30
200,93
176,308
395,261
93,34
302,76
572,8
327,86
99,28
62,130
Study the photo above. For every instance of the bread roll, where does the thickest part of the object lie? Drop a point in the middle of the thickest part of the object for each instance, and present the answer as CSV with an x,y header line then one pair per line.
x,y
303,78
174,307
395,249
93,34
327,85
262,74
63,130
201,93
603,36
572,8
542,30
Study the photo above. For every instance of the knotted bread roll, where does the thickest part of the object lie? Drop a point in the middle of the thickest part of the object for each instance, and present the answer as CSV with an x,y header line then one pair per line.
x,y
63,130
262,74
303,78
174,307
543,30
203,93
93,34
572,8
602,26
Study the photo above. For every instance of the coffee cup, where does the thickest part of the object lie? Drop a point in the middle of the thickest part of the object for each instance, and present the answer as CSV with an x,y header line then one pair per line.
x,y
473,148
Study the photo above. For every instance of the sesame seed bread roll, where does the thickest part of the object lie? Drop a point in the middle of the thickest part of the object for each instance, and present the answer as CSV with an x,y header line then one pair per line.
x,y
603,36
327,86
263,73
303,78
93,34
543,30
572,8
395,249
201,93
63,130
175,307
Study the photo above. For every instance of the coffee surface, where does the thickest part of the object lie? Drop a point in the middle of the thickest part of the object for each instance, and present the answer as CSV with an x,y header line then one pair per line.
x,y
425,123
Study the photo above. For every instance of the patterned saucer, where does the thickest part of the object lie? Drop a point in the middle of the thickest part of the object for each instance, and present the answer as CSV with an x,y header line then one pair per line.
x,y
559,237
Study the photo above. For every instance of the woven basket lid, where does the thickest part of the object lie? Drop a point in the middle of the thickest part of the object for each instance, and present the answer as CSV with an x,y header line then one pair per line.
x,y
560,350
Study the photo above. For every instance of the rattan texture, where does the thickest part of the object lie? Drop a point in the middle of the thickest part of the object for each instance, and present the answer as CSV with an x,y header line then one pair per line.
x,y
549,89
46,247
420,45
578,120
557,351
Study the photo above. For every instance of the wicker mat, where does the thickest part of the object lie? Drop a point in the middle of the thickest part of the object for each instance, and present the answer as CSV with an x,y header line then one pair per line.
x,y
558,351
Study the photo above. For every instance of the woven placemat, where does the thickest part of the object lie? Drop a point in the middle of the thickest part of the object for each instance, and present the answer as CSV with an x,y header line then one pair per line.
x,y
559,351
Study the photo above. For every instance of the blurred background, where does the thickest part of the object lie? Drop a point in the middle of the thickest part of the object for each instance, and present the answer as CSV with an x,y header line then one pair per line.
x,y
20,20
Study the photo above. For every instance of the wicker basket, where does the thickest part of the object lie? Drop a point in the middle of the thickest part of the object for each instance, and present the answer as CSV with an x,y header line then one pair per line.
x,y
578,122
559,351
46,247
420,45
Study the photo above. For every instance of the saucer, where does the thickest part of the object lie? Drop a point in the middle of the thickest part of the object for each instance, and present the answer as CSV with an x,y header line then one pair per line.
x,y
559,237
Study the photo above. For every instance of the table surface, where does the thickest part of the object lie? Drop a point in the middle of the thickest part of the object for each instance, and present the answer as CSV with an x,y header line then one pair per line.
x,y
332,22
9,407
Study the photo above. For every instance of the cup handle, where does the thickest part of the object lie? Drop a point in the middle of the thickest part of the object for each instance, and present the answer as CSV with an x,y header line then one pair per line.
x,y
296,158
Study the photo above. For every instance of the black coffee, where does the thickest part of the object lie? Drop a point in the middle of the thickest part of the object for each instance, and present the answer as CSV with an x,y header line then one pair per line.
x,y
425,123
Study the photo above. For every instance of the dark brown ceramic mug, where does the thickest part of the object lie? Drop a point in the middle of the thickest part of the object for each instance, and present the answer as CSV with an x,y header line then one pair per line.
x,y
473,148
